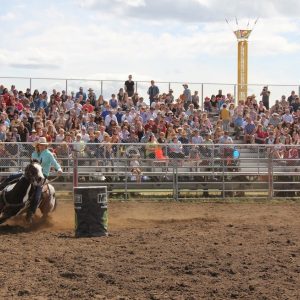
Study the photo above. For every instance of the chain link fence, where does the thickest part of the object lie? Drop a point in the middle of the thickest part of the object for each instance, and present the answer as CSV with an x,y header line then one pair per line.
x,y
175,171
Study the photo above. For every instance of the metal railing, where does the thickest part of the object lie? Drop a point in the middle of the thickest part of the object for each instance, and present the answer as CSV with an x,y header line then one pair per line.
x,y
166,171
108,87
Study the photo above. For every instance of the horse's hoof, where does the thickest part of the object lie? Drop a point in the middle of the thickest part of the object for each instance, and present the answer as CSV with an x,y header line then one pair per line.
x,y
29,218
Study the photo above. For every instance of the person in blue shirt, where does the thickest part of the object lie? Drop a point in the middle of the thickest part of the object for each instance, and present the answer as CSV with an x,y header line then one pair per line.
x,y
47,160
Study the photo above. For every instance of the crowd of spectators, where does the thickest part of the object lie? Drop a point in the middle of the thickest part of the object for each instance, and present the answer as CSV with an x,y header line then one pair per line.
x,y
82,118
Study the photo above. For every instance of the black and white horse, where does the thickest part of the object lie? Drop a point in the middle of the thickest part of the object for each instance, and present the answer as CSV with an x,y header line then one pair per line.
x,y
15,196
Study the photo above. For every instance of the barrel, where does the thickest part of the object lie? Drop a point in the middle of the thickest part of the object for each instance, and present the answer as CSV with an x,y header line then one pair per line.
x,y
90,203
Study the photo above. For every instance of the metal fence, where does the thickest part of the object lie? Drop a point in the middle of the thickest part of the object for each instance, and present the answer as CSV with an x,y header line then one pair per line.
x,y
168,171
108,87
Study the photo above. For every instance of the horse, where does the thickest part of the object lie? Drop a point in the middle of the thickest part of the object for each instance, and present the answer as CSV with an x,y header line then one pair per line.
x,y
14,198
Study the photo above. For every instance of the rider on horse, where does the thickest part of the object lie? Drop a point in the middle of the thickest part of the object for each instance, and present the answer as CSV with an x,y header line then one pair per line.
x,y
46,159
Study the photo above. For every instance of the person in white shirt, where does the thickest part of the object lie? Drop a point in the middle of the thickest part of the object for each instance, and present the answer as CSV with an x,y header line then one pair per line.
x,y
287,117
111,116
84,135
69,104
128,117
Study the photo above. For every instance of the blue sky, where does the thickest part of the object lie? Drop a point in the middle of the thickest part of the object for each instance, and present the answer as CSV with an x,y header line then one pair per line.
x,y
167,40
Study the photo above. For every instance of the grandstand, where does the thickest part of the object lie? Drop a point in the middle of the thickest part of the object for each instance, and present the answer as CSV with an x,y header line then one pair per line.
x,y
184,144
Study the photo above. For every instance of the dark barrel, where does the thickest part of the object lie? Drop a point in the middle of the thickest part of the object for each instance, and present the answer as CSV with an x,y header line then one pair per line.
x,y
90,204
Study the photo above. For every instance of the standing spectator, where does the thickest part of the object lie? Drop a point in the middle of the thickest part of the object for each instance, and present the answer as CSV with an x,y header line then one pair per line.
x,y
129,86
292,97
265,96
195,100
28,93
153,92
225,117
81,93
92,96
187,96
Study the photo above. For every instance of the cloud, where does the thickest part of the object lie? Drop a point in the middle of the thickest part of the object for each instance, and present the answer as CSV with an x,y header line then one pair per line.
x,y
194,10
34,66
7,17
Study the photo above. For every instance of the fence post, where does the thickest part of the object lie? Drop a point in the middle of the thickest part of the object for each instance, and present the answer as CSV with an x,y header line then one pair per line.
x,y
66,86
75,169
30,85
234,89
202,95
270,175
126,179
176,180
101,87
136,86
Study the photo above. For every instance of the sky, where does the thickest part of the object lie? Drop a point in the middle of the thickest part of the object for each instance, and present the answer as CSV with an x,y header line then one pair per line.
x,y
165,40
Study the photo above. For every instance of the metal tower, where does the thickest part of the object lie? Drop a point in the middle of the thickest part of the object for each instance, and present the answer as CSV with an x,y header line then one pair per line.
x,y
242,36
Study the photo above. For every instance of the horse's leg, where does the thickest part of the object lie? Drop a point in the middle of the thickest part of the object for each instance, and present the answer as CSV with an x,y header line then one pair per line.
x,y
3,219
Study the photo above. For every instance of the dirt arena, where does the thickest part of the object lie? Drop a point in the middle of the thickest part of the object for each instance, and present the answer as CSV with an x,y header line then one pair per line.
x,y
158,251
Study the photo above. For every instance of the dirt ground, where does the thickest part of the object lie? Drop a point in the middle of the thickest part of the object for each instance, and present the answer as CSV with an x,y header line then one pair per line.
x,y
157,251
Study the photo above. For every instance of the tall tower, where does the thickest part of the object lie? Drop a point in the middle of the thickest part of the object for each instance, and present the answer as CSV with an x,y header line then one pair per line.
x,y
242,38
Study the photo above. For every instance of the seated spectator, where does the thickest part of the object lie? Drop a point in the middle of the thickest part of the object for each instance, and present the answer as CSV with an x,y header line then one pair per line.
x,y
287,118
260,135
226,151
279,149
175,149
136,172
249,131
238,126
151,146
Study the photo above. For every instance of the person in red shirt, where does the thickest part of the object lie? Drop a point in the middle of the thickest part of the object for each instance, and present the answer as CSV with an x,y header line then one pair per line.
x,y
88,106
151,126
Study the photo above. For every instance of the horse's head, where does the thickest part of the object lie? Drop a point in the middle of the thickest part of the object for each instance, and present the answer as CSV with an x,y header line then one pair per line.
x,y
33,172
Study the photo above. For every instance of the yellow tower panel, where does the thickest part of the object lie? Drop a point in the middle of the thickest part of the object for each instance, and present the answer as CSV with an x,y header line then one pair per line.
x,y
242,70
242,38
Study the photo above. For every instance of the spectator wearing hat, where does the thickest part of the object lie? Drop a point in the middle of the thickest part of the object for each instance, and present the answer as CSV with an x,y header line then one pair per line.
x,y
47,160
274,119
91,96
33,137
129,86
153,92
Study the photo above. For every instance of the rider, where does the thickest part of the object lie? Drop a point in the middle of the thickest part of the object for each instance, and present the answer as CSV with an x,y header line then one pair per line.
x,y
46,159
